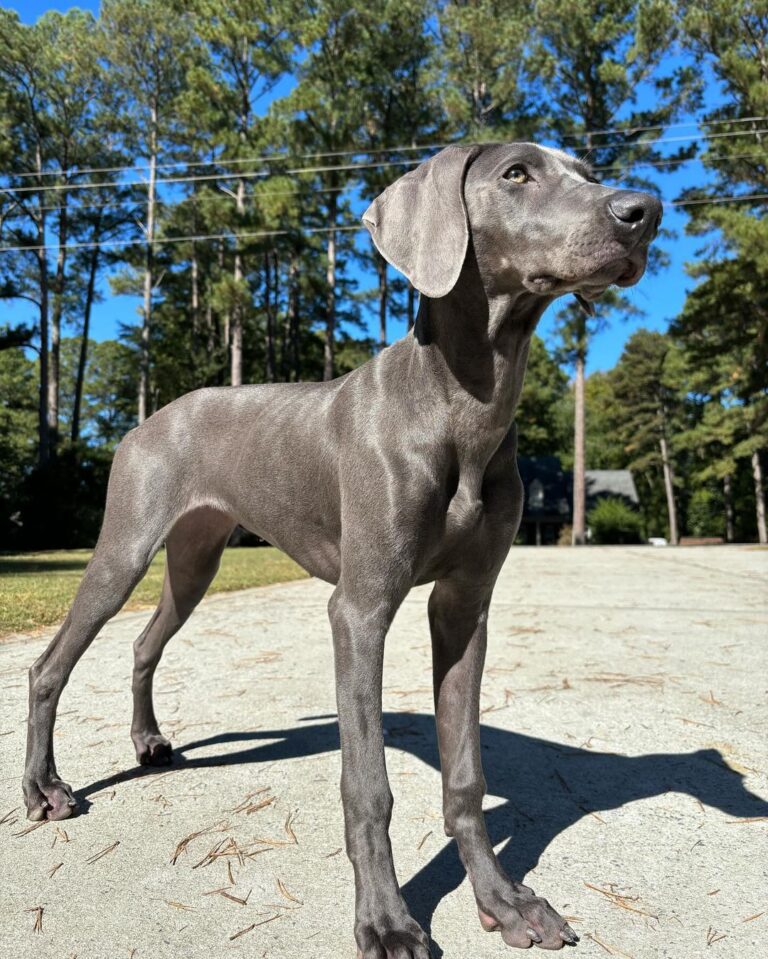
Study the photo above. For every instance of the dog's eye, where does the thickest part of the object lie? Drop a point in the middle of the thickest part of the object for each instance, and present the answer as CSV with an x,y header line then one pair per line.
x,y
517,174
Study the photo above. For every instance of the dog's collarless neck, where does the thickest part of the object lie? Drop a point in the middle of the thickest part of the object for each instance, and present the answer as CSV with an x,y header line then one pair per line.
x,y
476,345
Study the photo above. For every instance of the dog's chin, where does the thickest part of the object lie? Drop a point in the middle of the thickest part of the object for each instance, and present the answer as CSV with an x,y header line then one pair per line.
x,y
622,272
633,269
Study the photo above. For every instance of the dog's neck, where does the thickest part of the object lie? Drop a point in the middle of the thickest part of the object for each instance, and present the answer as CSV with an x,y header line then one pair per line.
x,y
475,344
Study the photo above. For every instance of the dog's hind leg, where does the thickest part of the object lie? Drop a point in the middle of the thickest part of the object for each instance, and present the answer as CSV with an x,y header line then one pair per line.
x,y
193,550
136,521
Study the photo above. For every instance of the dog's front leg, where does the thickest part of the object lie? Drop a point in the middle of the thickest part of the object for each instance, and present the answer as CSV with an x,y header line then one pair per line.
x,y
458,615
360,618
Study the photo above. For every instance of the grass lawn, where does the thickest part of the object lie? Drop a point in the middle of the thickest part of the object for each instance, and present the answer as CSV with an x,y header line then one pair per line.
x,y
36,589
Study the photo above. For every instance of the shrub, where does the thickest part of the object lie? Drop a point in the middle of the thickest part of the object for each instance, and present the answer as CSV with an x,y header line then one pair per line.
x,y
566,535
706,513
612,521
60,506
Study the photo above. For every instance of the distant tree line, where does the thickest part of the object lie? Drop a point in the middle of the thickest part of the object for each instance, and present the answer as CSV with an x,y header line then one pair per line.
x,y
211,158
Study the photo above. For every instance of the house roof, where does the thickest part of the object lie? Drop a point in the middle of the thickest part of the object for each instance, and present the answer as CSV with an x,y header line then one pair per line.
x,y
549,488
617,483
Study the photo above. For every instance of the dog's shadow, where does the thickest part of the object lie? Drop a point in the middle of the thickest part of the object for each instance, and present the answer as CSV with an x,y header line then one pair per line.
x,y
546,786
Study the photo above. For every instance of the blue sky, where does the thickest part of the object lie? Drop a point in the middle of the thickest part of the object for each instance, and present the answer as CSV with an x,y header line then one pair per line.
x,y
659,297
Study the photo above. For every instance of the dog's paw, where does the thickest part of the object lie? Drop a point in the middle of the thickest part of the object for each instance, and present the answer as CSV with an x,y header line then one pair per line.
x,y
392,937
525,919
50,799
152,749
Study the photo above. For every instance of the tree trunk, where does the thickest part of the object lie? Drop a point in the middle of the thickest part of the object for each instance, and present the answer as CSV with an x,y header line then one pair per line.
x,y
225,327
211,328
669,489
194,263
43,449
757,475
411,306
195,291
730,531
645,501
236,332
269,343
579,473
285,338
275,309
293,318
54,373
381,269
144,343
243,124
82,358
330,317
579,534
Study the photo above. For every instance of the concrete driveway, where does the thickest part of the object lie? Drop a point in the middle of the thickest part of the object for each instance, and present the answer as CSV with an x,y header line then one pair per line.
x,y
625,737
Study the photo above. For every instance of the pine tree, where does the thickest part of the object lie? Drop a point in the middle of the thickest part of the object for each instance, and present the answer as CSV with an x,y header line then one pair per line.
x,y
18,416
647,411
724,333
480,69
539,414
325,115
52,83
592,61
248,48
147,46
402,110
725,319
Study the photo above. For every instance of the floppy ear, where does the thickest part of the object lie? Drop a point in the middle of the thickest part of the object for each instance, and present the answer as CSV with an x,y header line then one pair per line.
x,y
419,224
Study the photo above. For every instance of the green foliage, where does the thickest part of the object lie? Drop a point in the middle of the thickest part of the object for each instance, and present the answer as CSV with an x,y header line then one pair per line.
x,y
604,447
109,392
18,419
60,504
193,84
723,328
147,46
730,36
611,521
539,417
593,60
481,74
648,386
644,386
705,512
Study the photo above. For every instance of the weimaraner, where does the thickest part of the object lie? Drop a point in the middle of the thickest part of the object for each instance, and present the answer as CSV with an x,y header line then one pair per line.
x,y
399,473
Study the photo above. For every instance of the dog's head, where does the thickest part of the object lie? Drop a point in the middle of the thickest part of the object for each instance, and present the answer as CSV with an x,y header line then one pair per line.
x,y
538,219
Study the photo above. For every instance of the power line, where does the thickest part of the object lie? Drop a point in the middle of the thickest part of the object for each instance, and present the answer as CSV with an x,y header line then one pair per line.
x,y
723,199
671,161
344,227
253,199
264,158
95,185
261,174
403,148
194,200
704,136
665,126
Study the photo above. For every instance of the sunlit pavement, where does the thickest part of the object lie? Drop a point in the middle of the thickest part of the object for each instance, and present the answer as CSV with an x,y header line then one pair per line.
x,y
624,732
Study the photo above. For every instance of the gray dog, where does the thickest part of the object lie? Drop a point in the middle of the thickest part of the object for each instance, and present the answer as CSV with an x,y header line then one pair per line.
x,y
402,472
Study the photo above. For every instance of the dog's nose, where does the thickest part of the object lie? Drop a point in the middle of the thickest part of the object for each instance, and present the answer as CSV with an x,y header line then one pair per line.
x,y
639,212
